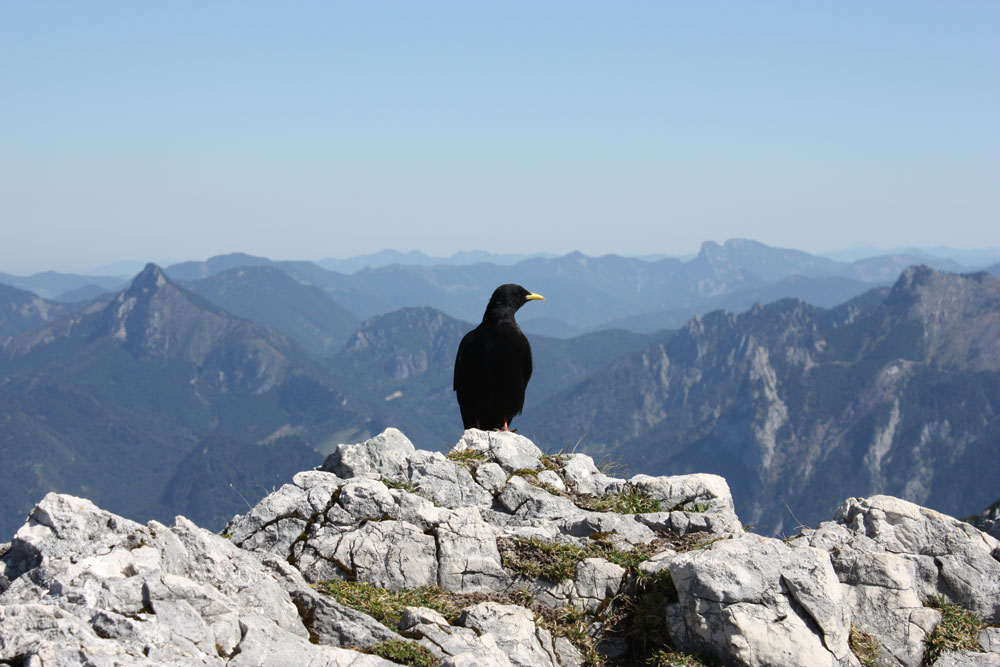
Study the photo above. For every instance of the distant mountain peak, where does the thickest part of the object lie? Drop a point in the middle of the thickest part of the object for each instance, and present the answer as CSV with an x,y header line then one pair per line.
x,y
237,257
913,276
386,329
151,277
742,243
133,311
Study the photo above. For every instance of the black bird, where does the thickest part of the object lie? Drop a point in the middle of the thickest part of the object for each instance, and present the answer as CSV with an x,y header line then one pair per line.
x,y
493,365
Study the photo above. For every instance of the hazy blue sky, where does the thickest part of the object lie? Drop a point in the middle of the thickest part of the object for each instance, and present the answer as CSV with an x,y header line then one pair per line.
x,y
178,130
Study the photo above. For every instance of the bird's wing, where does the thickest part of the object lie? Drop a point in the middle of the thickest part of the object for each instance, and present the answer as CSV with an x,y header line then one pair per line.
x,y
462,361
458,364
527,361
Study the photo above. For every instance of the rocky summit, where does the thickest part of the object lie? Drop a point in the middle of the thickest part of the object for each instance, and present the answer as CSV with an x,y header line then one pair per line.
x,y
496,554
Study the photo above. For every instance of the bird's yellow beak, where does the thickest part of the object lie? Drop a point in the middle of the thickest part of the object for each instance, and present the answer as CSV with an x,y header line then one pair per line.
x,y
535,297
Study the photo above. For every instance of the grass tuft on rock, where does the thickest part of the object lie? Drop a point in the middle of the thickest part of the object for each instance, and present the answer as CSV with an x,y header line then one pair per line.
x,y
554,462
629,501
865,647
575,625
405,486
958,630
387,606
545,486
404,652
670,658
640,620
467,457
698,508
556,561
537,558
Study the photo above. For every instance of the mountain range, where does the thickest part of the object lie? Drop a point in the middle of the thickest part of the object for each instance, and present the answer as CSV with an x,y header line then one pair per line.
x,y
585,293
235,375
592,293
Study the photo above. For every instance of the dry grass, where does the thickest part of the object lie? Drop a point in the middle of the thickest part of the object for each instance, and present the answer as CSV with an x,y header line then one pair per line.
x,y
958,630
865,647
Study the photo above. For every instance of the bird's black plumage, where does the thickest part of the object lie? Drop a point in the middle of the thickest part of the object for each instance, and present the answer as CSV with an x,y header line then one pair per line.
x,y
493,364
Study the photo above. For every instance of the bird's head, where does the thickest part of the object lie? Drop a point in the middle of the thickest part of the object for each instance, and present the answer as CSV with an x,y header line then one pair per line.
x,y
508,298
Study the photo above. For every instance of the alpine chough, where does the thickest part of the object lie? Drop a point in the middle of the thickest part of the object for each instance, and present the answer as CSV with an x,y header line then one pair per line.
x,y
493,364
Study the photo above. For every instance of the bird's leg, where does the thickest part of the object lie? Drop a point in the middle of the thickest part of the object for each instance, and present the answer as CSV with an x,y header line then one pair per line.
x,y
505,426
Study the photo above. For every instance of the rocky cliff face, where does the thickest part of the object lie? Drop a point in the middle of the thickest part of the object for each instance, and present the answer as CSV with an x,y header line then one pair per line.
x,y
495,554
798,406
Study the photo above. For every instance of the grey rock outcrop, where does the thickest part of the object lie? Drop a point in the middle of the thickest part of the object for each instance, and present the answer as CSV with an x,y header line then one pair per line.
x,y
455,645
86,587
349,518
757,601
968,659
510,451
79,585
594,584
948,557
385,455
892,556
524,643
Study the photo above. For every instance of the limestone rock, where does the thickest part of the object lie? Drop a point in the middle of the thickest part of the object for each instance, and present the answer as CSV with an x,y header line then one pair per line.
x,y
79,585
695,503
515,632
455,645
468,559
949,557
756,601
510,451
491,477
390,554
265,644
88,587
582,476
623,530
552,479
528,502
383,456
881,594
445,483
989,639
333,624
967,659
892,556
